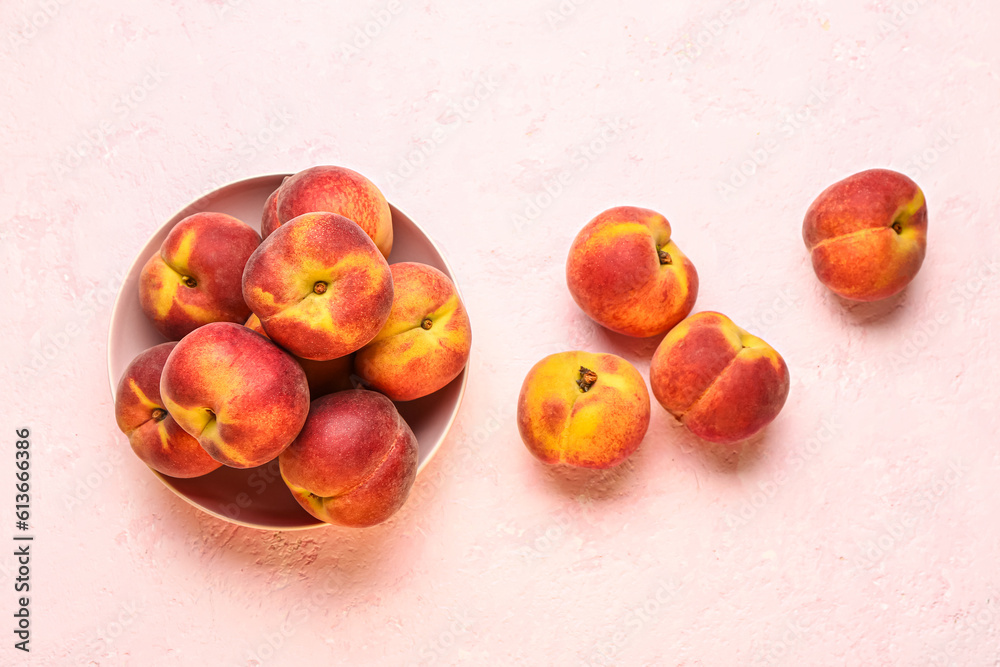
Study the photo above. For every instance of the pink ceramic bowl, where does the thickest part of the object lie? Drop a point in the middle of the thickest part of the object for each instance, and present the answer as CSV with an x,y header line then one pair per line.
x,y
257,497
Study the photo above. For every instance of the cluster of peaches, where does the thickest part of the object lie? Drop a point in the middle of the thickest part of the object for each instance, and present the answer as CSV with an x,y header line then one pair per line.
x,y
271,336
866,236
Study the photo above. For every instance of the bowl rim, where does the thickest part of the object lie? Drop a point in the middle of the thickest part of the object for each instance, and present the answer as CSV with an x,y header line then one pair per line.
x,y
141,257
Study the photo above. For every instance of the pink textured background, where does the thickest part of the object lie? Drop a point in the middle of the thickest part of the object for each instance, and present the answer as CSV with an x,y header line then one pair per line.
x,y
861,529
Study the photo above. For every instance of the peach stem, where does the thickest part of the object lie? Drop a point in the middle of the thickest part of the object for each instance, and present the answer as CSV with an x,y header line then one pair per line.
x,y
159,414
586,380
664,257
189,281
427,323
319,287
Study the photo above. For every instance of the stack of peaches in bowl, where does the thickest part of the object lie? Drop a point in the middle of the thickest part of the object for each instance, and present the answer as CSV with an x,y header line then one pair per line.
x,y
289,377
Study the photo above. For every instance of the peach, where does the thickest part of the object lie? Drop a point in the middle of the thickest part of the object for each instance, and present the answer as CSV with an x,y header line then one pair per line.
x,y
333,190
867,234
721,382
627,274
355,460
583,409
319,286
269,219
239,394
324,377
425,343
153,434
195,277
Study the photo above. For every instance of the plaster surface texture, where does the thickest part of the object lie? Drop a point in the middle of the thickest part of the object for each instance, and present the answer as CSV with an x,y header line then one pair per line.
x,y
859,529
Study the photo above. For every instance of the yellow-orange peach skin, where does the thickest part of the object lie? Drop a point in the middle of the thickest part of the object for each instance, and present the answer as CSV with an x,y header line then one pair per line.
x,y
195,277
333,190
583,409
721,382
628,275
867,234
355,460
319,286
425,342
153,434
240,395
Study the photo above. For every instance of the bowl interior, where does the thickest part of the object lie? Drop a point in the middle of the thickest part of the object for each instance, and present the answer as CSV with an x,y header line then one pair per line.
x,y
257,497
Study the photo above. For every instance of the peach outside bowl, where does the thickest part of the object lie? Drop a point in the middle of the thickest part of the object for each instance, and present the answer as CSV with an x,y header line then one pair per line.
x,y
257,497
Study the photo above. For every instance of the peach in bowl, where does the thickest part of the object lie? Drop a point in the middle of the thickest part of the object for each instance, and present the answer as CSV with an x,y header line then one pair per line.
x,y
257,496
